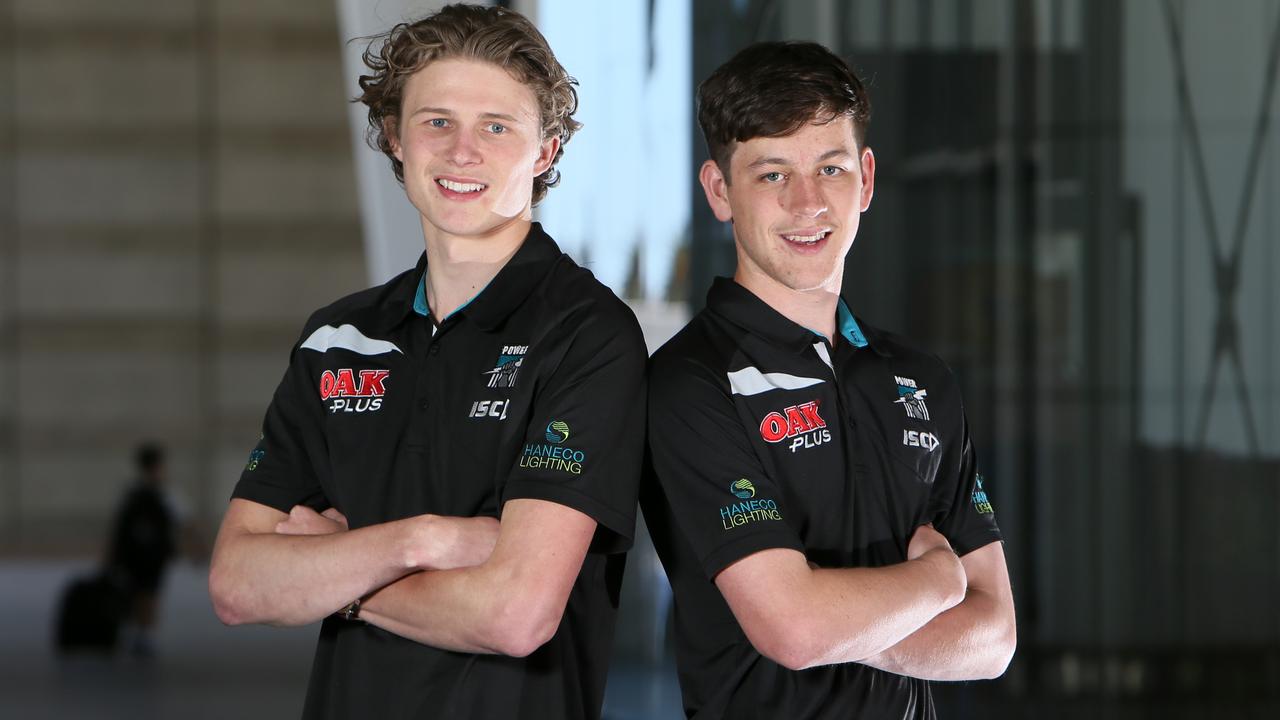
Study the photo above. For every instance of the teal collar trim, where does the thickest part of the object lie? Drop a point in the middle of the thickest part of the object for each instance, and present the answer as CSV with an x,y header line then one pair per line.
x,y
420,299
848,326
421,307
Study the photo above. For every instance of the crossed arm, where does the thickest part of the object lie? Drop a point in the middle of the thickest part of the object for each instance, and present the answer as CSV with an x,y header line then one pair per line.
x,y
466,584
935,616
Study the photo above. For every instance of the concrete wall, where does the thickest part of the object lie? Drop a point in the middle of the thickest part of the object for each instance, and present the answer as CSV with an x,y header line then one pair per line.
x,y
181,196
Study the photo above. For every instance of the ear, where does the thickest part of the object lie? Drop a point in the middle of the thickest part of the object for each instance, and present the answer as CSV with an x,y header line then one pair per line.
x,y
546,156
716,187
868,162
391,131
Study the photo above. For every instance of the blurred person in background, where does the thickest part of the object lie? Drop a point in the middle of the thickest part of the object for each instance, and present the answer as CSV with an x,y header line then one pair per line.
x,y
447,472
144,539
816,479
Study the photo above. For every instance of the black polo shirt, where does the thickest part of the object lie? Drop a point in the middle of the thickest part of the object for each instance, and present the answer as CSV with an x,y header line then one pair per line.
x,y
534,389
764,435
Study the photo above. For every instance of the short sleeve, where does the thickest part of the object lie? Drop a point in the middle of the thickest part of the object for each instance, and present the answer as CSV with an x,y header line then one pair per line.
x,y
962,510
279,471
712,482
585,441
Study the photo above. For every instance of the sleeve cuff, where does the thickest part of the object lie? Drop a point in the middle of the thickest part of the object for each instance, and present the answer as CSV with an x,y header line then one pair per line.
x,y
274,496
619,524
967,543
740,547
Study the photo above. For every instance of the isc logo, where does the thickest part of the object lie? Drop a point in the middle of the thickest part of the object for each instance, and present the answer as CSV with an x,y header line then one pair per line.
x,y
489,408
352,392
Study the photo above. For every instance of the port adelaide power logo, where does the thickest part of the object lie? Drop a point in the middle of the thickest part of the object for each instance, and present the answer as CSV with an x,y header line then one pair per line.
x,y
359,391
911,398
800,424
505,371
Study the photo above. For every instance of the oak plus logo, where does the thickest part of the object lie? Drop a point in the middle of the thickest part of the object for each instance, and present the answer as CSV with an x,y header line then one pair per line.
x,y
800,424
359,391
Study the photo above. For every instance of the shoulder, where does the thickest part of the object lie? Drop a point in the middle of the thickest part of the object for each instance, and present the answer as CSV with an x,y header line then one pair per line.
x,y
358,308
571,299
696,359
912,362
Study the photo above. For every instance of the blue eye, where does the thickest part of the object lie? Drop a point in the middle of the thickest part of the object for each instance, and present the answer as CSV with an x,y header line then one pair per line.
x,y
497,129
771,177
438,122
832,170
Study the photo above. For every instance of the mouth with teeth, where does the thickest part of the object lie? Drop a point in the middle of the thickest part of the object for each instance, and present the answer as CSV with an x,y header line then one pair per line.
x,y
459,190
807,240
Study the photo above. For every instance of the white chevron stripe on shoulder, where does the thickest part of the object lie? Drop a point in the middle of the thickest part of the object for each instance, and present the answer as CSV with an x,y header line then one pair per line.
x,y
347,337
750,381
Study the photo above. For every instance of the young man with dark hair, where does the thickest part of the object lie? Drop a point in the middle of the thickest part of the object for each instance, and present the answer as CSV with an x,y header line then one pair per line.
x,y
817,506
447,472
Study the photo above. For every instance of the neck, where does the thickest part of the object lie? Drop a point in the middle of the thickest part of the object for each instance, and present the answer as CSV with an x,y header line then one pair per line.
x,y
814,309
459,267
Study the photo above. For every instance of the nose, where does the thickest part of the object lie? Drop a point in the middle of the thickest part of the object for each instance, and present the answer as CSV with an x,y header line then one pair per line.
x,y
463,151
803,197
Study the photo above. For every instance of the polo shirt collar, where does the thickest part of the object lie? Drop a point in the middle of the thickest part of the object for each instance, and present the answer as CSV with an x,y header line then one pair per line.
x,y
497,300
741,307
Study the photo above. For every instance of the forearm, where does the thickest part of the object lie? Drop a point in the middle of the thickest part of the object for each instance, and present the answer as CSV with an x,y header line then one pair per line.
x,y
510,602
859,612
449,609
972,641
299,579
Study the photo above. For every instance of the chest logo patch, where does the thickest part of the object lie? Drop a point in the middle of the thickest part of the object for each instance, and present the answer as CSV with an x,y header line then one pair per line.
x,y
911,397
348,390
801,424
505,370
915,438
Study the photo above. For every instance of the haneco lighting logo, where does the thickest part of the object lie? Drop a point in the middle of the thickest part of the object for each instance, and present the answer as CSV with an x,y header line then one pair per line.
x,y
255,457
503,374
981,502
353,390
555,455
799,423
557,431
749,510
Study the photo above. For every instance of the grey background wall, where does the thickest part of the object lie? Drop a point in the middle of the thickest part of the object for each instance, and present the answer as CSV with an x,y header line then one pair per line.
x,y
179,196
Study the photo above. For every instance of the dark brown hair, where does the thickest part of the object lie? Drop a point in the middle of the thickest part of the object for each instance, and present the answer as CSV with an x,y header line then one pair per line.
x,y
491,34
770,89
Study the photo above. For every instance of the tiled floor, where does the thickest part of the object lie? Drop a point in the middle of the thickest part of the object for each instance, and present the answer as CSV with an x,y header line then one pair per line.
x,y
201,669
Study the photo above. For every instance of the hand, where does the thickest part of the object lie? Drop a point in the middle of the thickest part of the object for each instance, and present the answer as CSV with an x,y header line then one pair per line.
x,y
447,542
924,540
929,545
305,521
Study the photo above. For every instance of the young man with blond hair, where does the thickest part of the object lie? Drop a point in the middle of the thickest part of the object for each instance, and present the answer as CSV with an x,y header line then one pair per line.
x,y
447,473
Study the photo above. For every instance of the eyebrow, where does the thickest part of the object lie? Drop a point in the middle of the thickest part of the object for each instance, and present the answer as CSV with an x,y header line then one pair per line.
x,y
780,161
446,111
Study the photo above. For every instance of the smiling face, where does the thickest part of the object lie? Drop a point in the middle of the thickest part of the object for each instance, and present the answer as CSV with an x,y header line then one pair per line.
x,y
794,202
470,139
